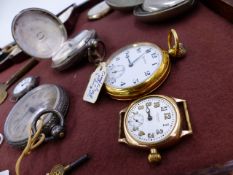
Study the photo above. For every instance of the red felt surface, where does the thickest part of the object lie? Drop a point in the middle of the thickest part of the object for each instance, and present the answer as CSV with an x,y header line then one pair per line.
x,y
203,78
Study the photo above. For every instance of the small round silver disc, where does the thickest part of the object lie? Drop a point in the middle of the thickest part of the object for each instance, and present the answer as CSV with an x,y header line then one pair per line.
x,y
38,32
98,11
123,4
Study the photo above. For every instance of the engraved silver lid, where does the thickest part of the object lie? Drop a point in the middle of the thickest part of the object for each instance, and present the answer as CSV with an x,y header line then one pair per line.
x,y
38,32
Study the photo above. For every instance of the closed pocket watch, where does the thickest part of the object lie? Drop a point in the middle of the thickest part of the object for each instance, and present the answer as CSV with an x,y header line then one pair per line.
x,y
154,122
47,101
140,68
160,10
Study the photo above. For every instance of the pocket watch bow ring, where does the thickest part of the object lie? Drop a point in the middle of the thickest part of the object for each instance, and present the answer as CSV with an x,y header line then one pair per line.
x,y
54,129
154,122
140,68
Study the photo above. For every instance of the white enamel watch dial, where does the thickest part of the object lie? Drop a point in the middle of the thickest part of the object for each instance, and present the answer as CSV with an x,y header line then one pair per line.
x,y
151,120
133,65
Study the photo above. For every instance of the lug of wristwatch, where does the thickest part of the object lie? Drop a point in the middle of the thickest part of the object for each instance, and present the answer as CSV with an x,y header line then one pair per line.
x,y
189,131
121,136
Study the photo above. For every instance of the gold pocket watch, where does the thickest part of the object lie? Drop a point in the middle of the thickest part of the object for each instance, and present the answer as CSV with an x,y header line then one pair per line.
x,y
154,122
140,68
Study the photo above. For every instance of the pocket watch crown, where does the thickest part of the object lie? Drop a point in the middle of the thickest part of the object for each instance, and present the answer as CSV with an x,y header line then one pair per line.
x,y
180,52
154,156
57,131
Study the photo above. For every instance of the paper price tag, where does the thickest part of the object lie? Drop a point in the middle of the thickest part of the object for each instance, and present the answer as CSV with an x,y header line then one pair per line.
x,y
6,172
95,83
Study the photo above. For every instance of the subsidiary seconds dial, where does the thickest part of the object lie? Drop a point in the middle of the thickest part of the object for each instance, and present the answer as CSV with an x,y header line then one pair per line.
x,y
133,65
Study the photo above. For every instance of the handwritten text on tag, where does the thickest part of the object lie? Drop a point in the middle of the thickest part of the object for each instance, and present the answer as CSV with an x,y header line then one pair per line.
x,y
95,83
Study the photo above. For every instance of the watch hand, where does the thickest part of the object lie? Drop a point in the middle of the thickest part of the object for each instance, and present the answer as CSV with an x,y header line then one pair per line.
x,y
137,121
130,64
137,59
149,118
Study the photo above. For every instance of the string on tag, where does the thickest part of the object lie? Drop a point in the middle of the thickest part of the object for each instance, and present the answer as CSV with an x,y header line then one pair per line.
x,y
96,55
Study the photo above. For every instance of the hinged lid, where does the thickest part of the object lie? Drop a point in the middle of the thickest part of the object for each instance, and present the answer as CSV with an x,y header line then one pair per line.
x,y
38,32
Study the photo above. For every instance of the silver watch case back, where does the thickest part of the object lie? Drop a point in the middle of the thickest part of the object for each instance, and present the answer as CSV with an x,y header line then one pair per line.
x,y
42,35
43,97
123,4
160,10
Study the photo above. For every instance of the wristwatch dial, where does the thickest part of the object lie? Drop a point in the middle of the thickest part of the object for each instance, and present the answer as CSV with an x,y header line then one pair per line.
x,y
133,65
151,120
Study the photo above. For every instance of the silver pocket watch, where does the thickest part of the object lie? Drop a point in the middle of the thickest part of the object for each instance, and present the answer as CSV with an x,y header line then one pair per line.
x,y
24,86
123,4
153,10
160,10
47,101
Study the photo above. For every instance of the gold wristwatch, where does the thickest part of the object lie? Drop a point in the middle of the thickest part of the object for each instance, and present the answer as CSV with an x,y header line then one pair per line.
x,y
154,122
